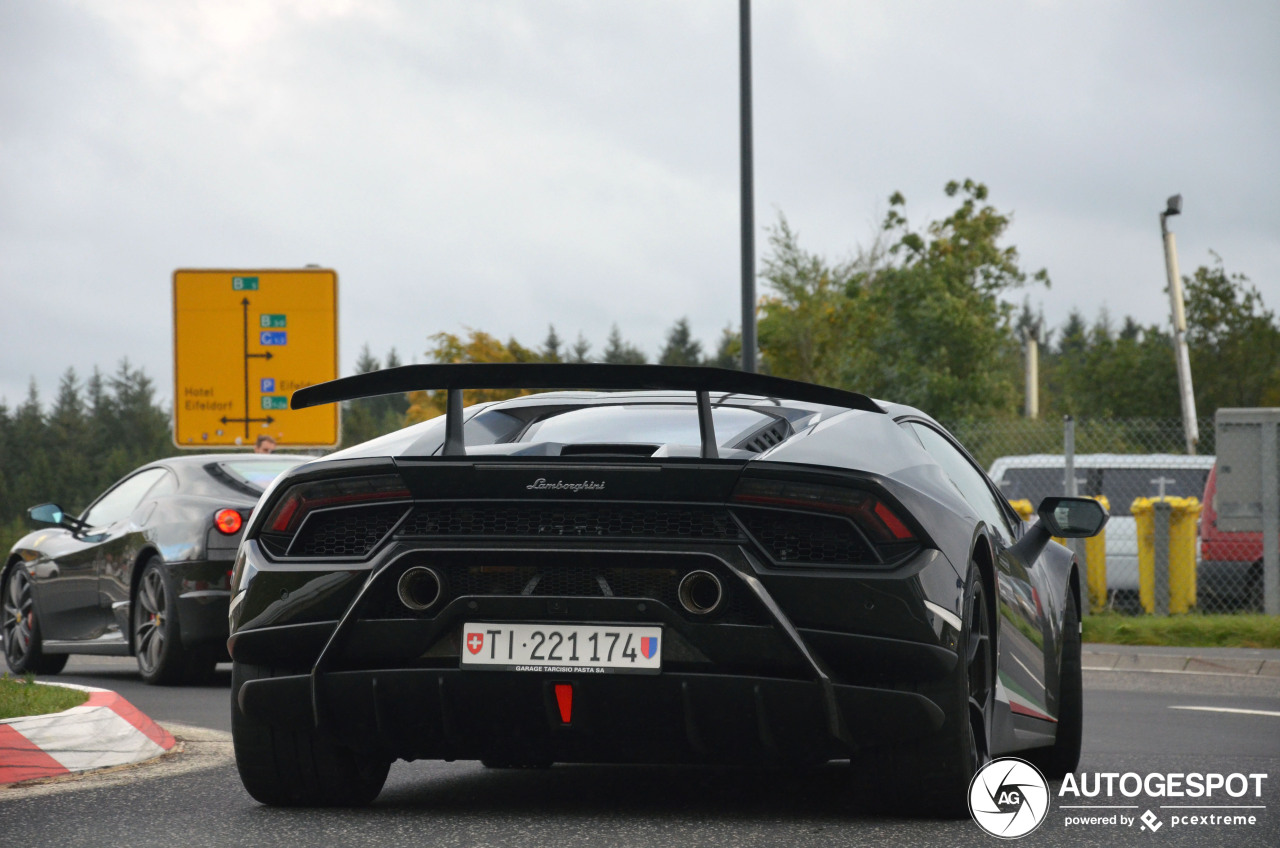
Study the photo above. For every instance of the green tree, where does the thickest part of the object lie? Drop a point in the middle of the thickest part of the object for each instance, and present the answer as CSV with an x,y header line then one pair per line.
x,y
808,324
1233,340
921,320
551,346
680,347
368,418
581,351
1096,371
728,352
617,351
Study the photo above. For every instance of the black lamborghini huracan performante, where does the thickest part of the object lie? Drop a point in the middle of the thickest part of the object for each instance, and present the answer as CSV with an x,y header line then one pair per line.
x,y
680,565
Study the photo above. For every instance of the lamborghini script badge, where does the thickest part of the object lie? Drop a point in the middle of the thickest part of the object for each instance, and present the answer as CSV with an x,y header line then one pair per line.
x,y
541,484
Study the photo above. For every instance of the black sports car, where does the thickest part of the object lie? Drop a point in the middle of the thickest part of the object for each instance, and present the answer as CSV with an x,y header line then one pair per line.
x,y
144,570
691,565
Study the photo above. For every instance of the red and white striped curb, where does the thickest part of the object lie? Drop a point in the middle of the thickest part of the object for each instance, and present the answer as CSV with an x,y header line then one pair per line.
x,y
104,731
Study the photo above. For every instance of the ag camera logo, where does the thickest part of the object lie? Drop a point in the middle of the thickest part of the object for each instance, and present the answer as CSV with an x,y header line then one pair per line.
x,y
1008,798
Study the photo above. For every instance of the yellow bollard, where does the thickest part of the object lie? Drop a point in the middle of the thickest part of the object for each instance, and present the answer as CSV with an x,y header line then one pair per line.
x,y
1183,519
1095,564
1183,515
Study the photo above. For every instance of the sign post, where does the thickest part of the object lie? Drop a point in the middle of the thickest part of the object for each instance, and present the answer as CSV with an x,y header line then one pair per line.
x,y
242,342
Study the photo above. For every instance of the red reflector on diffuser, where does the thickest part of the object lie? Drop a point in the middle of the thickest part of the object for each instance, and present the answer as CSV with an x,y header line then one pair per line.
x,y
564,700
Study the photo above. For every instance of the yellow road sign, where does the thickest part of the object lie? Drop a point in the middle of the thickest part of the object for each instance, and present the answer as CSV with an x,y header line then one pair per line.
x,y
243,342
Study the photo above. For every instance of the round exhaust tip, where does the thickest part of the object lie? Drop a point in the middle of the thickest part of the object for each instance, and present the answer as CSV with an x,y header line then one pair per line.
x,y
419,588
700,592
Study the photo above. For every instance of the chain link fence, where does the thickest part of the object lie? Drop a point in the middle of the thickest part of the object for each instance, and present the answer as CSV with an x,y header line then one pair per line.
x,y
1162,551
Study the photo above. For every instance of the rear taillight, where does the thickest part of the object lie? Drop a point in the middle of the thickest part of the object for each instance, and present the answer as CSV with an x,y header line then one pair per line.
x,y
872,515
308,497
228,521
816,524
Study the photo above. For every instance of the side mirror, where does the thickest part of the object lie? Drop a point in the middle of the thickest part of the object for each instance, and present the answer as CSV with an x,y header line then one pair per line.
x,y
53,514
46,514
1072,518
1066,518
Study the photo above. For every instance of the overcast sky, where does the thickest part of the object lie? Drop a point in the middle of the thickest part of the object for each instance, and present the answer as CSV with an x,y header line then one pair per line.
x,y
509,165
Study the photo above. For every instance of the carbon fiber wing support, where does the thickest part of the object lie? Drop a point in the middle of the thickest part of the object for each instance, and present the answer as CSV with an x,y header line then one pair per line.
x,y
453,378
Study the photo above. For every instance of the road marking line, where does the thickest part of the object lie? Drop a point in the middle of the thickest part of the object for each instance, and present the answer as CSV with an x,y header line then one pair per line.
x,y
1230,710
1173,671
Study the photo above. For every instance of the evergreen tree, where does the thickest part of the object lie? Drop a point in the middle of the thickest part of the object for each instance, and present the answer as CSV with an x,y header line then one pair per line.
x,y
681,348
551,346
729,351
617,351
581,350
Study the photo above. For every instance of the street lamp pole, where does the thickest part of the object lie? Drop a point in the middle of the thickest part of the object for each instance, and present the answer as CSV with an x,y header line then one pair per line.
x,y
1190,428
748,190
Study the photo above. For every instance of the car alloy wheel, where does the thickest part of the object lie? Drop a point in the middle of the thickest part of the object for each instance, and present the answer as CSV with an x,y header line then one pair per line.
x,y
157,640
22,645
19,617
151,621
978,676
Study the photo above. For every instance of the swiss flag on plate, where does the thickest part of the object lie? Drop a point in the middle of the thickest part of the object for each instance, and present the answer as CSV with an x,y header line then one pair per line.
x,y
475,641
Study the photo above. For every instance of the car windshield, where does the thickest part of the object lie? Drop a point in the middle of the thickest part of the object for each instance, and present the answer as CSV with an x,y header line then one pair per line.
x,y
652,424
256,473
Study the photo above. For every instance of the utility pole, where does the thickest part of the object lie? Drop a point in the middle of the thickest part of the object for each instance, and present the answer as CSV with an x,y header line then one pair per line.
x,y
748,189
1190,427
1032,355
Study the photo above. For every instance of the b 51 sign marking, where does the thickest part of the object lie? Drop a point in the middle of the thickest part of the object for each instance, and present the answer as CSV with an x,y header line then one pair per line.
x,y
243,341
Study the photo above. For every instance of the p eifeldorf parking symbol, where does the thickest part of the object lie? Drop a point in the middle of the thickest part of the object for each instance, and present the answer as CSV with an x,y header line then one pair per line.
x,y
243,342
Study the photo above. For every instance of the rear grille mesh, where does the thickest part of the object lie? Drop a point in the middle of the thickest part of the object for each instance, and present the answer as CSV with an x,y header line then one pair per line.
x,y
805,538
347,532
605,520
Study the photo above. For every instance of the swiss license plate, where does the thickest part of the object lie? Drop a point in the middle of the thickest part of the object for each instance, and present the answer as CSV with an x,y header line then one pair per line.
x,y
587,648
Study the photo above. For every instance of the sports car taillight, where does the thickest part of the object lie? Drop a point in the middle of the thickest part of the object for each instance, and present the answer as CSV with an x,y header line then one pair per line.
x,y
789,538
228,521
325,494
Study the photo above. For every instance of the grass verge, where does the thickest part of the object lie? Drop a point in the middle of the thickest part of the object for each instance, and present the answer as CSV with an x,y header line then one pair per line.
x,y
24,698
1185,631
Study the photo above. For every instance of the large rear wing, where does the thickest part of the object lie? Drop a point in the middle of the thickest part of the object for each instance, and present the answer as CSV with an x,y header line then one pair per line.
x,y
453,378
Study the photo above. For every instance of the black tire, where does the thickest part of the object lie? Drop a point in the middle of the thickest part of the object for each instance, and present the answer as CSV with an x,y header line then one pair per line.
x,y
157,634
931,777
23,647
298,767
1062,757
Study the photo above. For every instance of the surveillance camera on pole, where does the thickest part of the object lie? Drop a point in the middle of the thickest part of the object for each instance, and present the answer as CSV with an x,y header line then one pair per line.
x,y
1189,426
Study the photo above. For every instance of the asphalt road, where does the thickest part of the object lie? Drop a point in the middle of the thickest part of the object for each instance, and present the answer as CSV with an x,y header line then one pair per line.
x,y
195,798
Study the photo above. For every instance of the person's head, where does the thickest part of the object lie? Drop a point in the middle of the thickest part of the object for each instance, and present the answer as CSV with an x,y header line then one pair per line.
x,y
265,444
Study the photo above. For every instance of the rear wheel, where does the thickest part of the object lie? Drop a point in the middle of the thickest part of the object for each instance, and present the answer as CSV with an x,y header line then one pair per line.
x,y
157,641
931,777
298,766
1063,755
23,647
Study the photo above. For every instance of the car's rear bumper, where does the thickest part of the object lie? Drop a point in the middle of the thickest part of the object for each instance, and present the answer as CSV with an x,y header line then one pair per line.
x,y
203,599
854,661
673,717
